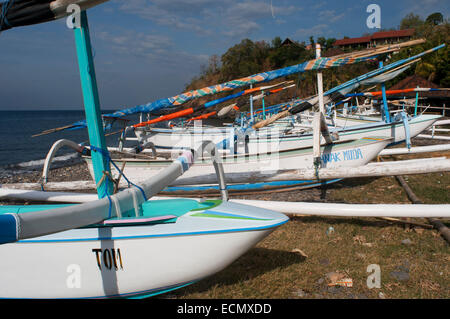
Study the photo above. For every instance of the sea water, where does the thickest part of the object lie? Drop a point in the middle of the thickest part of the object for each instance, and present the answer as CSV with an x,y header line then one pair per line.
x,y
20,152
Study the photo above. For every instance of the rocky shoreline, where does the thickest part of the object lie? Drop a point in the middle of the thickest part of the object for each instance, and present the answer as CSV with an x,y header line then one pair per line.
x,y
74,172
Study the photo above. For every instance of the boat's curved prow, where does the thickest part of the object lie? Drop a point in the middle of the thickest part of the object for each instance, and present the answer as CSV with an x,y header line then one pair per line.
x,y
173,243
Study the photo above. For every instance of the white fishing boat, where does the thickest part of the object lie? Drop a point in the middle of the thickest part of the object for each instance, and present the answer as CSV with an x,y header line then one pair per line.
x,y
122,245
345,154
285,137
285,131
250,148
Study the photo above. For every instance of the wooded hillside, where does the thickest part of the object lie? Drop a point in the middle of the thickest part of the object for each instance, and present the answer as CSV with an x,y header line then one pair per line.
x,y
249,57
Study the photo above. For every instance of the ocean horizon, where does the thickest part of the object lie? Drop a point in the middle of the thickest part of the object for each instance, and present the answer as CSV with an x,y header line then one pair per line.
x,y
20,151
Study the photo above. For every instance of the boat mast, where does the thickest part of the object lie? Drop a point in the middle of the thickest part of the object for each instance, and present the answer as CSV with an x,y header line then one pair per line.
x,y
251,105
92,105
320,127
417,103
317,123
385,112
263,106
320,81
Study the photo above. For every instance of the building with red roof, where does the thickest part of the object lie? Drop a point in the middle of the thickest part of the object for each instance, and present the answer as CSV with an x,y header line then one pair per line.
x,y
378,38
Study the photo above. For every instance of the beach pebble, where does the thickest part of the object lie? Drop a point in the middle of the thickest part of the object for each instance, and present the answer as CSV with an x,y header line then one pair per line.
x,y
324,262
300,293
360,255
400,275
334,289
330,231
407,242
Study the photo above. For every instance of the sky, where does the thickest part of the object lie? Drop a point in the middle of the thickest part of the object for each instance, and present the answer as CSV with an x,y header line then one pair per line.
x,y
146,50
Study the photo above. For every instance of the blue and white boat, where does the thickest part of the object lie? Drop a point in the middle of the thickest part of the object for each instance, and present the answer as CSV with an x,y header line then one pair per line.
x,y
352,153
169,244
122,245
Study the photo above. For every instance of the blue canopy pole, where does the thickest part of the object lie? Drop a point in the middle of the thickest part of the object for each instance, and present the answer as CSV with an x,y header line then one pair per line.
x,y
387,118
92,105
417,102
263,106
251,105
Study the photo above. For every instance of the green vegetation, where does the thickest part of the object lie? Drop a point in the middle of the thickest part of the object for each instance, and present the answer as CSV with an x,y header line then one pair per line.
x,y
249,57
435,30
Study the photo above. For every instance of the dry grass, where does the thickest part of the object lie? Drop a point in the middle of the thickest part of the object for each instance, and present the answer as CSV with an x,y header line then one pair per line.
x,y
274,269
293,262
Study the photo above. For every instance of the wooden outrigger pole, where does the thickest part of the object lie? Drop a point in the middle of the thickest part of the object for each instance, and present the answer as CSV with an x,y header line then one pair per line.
x,y
192,110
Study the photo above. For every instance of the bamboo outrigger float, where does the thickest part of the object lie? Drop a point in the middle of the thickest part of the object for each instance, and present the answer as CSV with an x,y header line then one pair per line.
x,y
288,208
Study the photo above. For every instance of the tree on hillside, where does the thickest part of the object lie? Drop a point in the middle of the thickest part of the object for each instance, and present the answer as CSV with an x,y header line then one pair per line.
x,y
243,59
287,55
411,21
435,18
326,44
276,42
248,57
330,43
322,41
426,70
212,67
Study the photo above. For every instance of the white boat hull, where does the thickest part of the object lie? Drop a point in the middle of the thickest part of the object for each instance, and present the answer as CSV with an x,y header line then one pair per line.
x,y
275,138
348,154
131,261
357,129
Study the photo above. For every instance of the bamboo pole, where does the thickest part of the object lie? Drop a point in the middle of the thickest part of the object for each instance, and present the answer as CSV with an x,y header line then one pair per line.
x,y
443,230
53,130
415,150
381,49
408,167
434,137
350,210
409,222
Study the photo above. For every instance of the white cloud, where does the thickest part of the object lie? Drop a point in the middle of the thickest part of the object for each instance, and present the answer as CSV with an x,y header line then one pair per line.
x,y
232,18
425,8
317,30
150,48
330,15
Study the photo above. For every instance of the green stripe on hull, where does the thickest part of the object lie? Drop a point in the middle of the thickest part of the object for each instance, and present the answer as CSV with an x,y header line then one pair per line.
x,y
211,214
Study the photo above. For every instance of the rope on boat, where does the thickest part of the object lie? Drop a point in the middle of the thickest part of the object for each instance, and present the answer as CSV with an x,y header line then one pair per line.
x,y
4,23
106,155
